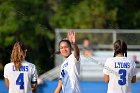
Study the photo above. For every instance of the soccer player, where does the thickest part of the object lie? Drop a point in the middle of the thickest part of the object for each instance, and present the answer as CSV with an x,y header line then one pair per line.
x,y
70,69
20,76
119,71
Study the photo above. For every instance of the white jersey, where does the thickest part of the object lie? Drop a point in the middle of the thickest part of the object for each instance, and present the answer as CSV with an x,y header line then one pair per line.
x,y
20,81
69,75
120,71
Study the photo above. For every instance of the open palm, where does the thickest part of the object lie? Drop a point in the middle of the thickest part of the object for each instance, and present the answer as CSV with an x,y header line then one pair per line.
x,y
71,37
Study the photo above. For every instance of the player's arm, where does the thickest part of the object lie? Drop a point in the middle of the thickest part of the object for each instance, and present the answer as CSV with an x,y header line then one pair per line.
x,y
133,79
106,78
134,72
106,71
76,50
34,78
34,86
6,82
6,73
71,37
59,87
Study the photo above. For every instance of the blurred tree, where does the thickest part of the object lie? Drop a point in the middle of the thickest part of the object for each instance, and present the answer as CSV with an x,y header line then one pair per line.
x,y
129,14
33,21
27,21
98,14
84,14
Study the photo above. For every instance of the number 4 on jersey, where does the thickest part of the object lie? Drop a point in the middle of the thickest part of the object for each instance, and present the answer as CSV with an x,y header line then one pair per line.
x,y
20,80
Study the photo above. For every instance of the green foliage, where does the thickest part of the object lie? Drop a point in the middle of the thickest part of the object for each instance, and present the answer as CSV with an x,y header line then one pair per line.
x,y
128,14
84,14
26,21
33,21
97,14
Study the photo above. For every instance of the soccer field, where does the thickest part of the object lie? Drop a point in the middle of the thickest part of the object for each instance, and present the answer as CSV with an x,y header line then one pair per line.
x,y
86,87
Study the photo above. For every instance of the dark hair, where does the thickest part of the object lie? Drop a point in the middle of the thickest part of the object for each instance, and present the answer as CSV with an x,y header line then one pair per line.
x,y
120,47
67,41
85,38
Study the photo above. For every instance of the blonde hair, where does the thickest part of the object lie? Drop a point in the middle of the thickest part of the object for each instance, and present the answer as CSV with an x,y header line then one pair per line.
x,y
18,55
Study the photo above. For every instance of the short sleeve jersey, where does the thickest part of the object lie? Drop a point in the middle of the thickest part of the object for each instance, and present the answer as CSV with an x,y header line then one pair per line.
x,y
20,81
69,75
120,71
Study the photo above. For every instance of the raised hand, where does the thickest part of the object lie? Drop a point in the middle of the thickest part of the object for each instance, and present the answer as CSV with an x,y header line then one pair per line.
x,y
71,37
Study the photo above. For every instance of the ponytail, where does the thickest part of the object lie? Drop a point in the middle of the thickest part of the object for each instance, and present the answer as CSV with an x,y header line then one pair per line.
x,y
17,56
120,47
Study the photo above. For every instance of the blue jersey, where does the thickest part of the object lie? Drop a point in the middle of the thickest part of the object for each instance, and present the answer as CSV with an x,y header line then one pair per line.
x,y
69,75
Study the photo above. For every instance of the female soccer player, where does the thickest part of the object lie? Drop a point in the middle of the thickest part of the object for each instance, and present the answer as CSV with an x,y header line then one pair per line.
x,y
69,76
20,76
119,71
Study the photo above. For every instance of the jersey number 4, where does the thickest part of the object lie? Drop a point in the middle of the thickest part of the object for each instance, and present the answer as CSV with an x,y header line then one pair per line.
x,y
20,80
122,80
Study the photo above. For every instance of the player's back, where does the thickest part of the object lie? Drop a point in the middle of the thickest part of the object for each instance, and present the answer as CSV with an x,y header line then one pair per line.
x,y
120,71
20,81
